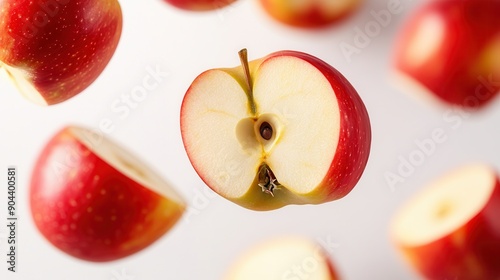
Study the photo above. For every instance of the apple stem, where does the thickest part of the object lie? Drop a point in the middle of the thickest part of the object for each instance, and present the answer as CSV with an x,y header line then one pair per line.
x,y
267,180
246,68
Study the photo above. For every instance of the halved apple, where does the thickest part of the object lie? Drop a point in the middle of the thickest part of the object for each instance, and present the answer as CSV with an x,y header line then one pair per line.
x,y
284,258
285,129
95,201
452,229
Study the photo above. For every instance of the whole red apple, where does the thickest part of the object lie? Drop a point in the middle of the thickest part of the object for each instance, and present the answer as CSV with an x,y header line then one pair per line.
x,y
450,49
95,201
200,5
284,129
54,49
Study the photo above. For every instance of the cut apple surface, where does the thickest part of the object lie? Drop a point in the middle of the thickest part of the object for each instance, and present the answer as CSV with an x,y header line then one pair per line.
x,y
451,230
286,129
284,258
97,202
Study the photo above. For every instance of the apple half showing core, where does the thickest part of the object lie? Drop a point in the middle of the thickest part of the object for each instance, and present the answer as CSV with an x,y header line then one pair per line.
x,y
53,50
451,230
285,129
287,257
95,201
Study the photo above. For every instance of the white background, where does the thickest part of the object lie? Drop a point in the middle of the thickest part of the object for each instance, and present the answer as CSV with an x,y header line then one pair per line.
x,y
203,245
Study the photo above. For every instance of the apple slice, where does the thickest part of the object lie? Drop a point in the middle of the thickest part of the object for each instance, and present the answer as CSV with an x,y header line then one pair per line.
x,y
452,229
284,258
449,51
54,49
95,201
285,129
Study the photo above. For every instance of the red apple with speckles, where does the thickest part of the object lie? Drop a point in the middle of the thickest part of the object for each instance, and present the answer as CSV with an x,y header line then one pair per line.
x,y
450,51
451,229
200,5
309,13
284,129
54,49
95,201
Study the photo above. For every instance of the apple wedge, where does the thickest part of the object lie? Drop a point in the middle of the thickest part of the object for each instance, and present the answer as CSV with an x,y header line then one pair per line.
x,y
285,129
95,201
451,230
284,258
54,49
449,52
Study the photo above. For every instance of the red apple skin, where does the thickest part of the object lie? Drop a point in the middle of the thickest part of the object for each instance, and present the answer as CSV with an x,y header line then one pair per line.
x,y
350,158
471,252
63,45
200,5
353,149
459,72
91,211
314,17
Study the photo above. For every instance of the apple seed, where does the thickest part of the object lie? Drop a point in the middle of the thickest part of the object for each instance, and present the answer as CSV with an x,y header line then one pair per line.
x,y
266,131
267,180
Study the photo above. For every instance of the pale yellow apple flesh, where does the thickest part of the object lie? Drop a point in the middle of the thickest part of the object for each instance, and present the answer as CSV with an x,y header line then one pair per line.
x,y
127,164
22,82
444,206
283,258
286,94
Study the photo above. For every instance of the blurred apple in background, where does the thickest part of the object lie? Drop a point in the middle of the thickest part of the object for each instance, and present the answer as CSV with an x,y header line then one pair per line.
x,y
309,13
284,258
451,230
95,201
200,5
284,129
451,49
54,49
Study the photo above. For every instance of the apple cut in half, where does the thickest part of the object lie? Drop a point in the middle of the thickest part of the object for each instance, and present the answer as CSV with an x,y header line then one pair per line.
x,y
284,258
452,229
285,129
95,201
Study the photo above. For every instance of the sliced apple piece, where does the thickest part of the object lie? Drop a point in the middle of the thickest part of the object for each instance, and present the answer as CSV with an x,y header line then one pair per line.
x,y
449,51
95,201
286,129
451,230
54,49
284,258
